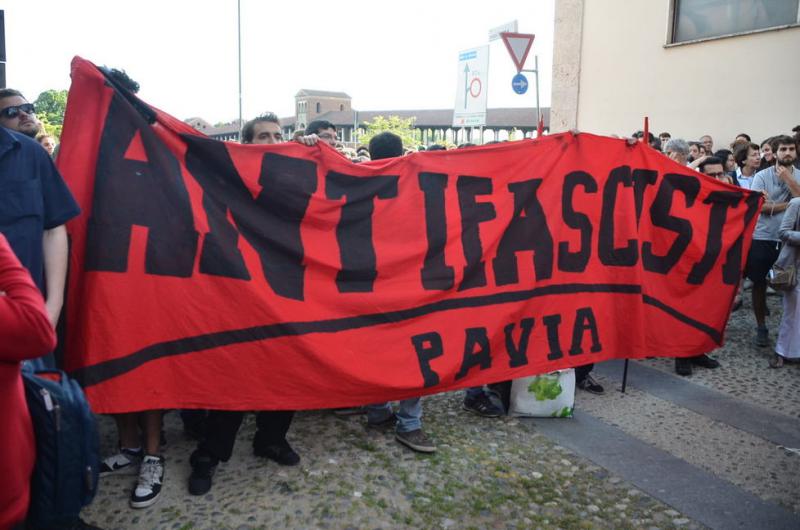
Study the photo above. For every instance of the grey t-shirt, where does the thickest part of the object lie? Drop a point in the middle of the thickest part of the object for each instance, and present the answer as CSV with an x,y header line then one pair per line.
x,y
767,180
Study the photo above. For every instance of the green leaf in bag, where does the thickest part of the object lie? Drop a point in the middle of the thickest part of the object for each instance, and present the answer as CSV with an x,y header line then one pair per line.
x,y
545,387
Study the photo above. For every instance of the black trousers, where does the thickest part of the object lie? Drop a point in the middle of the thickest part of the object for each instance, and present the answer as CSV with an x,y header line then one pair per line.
x,y
223,426
582,372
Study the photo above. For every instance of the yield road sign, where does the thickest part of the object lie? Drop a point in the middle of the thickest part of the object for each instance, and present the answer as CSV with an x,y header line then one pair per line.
x,y
518,46
520,84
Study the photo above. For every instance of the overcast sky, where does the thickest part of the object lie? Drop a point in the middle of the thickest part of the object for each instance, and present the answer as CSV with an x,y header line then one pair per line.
x,y
386,55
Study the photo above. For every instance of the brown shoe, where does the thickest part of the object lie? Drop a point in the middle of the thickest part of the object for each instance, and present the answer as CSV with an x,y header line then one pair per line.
x,y
416,440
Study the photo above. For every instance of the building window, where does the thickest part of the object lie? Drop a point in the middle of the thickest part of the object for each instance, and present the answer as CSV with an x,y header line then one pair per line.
x,y
702,19
318,107
341,107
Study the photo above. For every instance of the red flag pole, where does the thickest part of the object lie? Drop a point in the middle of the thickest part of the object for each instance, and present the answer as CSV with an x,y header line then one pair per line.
x,y
540,127
646,135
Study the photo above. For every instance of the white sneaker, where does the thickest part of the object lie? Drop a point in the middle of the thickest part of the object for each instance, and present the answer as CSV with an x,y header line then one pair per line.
x,y
151,477
126,459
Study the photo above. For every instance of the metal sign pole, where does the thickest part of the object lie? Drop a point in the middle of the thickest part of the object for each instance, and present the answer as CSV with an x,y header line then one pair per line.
x,y
535,71
239,38
536,65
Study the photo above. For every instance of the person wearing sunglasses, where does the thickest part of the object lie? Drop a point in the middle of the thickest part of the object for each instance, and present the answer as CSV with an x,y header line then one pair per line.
x,y
17,114
34,205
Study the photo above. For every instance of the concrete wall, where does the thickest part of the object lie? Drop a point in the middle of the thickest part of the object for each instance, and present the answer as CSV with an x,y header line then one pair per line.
x,y
748,83
566,65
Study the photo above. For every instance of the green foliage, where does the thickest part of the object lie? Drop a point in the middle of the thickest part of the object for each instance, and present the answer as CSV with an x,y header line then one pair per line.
x,y
402,127
50,107
49,128
545,387
565,412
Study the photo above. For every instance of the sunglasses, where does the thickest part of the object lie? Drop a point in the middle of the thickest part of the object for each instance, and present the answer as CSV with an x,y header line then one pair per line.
x,y
13,111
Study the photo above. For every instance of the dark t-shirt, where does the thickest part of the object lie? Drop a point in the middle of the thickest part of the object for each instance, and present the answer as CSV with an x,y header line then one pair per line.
x,y
33,198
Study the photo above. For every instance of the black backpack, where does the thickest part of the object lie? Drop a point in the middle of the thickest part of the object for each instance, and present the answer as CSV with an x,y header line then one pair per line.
x,y
67,449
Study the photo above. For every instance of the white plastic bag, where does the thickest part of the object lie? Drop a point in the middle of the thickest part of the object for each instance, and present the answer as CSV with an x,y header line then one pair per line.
x,y
544,396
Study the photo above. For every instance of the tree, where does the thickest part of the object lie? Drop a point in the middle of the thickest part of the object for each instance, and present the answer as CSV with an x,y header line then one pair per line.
x,y
50,128
50,107
402,127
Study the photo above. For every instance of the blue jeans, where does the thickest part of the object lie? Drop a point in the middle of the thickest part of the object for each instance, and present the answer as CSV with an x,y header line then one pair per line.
x,y
409,414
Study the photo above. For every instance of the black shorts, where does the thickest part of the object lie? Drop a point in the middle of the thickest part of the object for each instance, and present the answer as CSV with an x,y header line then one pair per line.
x,y
762,256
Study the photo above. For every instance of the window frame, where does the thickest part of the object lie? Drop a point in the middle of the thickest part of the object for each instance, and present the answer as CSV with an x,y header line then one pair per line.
x,y
673,25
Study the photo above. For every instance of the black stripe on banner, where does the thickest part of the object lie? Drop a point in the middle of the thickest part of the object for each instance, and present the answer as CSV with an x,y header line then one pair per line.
x,y
103,371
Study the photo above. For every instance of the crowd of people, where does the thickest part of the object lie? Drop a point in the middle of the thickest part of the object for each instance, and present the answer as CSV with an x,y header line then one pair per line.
x,y
38,263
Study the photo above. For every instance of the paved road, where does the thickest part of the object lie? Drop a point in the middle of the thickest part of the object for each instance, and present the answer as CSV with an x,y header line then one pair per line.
x,y
718,449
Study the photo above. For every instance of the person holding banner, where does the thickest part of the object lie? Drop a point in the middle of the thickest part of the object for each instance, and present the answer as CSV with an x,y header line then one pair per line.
x,y
715,168
222,426
408,419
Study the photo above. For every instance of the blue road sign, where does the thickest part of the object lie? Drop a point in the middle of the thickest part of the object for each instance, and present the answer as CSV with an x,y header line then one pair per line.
x,y
519,84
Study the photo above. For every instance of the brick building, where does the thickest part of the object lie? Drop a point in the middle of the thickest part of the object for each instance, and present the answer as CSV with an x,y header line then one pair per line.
x,y
433,125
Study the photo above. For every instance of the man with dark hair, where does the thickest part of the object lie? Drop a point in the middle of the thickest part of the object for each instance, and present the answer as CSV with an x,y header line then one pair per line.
x,y
324,130
17,114
35,203
779,184
713,167
408,420
652,141
221,426
385,145
664,137
264,129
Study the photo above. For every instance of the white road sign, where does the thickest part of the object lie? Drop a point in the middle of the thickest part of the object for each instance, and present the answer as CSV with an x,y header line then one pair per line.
x,y
471,88
510,27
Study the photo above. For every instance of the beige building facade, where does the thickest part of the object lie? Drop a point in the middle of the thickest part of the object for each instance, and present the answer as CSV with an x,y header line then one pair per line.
x,y
694,67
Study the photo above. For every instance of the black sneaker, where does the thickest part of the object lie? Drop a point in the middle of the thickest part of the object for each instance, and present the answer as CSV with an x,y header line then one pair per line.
x,y
762,337
482,406
683,366
385,424
80,524
281,453
416,440
151,477
203,468
705,361
591,386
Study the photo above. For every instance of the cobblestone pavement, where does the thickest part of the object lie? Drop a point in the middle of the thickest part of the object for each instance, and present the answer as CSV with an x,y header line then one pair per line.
x,y
487,473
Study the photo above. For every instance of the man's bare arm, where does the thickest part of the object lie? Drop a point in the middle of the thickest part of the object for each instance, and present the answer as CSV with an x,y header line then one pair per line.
x,y
787,176
55,269
771,208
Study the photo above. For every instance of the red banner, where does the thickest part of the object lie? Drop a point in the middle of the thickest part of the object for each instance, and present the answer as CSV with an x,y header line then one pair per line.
x,y
207,274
